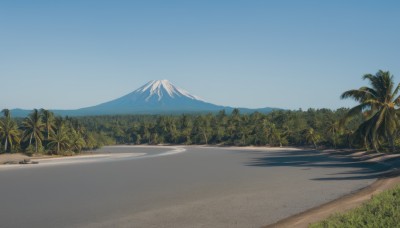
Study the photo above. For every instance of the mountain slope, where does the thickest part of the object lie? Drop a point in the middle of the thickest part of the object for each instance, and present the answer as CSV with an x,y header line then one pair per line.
x,y
155,97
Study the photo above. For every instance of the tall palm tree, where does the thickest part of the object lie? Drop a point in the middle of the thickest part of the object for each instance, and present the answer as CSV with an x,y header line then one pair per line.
x,y
274,135
33,128
377,104
76,141
333,129
49,121
59,140
8,130
311,137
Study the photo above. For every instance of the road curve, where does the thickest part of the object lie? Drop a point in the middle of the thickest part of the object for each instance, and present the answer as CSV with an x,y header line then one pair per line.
x,y
191,187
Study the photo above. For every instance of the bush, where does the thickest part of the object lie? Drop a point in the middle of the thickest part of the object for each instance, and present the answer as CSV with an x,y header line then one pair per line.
x,y
382,210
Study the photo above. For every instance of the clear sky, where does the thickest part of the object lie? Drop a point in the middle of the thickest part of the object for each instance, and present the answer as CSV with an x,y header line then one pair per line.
x,y
287,54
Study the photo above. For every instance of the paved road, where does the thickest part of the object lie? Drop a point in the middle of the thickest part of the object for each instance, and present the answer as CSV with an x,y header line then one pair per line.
x,y
164,187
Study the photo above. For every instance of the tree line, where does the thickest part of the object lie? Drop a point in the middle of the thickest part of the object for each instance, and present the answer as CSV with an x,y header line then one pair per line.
x,y
43,132
317,128
372,124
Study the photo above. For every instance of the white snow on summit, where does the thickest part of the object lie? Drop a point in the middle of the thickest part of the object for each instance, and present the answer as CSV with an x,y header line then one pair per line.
x,y
160,88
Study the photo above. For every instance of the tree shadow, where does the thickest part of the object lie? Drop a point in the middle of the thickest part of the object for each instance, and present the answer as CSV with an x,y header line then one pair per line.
x,y
308,159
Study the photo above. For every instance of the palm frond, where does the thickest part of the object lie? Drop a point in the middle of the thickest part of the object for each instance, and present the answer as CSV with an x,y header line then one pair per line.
x,y
356,94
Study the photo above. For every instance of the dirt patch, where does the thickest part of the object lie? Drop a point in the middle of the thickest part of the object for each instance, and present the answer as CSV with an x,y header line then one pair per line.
x,y
13,158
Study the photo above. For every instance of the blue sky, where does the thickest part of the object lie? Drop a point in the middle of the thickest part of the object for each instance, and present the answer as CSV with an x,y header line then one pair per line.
x,y
287,54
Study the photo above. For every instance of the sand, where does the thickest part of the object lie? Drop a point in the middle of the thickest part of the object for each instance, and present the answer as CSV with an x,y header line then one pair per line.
x,y
203,187
348,202
12,158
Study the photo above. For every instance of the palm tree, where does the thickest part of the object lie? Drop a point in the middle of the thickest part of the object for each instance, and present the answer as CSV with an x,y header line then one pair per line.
x,y
59,140
33,128
311,137
348,134
8,130
274,135
49,121
378,105
333,129
77,142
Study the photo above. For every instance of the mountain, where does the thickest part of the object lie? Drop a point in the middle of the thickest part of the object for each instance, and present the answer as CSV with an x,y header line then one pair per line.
x,y
155,97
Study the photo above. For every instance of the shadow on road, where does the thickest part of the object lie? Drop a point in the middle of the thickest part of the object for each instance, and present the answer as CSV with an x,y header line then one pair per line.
x,y
315,159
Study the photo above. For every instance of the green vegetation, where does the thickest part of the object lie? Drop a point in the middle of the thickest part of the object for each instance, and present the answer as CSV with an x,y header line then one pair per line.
x,y
316,128
382,210
41,132
371,124
378,105
9,131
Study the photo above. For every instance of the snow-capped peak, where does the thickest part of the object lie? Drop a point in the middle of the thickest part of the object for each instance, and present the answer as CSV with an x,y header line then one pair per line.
x,y
162,88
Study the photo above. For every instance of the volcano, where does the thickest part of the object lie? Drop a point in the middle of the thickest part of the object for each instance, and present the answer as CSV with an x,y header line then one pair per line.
x,y
155,97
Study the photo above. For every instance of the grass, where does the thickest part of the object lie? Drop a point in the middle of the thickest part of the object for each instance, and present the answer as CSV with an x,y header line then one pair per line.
x,y
383,210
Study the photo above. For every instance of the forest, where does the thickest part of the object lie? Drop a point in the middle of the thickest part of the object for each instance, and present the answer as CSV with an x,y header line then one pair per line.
x,y
42,132
372,125
280,128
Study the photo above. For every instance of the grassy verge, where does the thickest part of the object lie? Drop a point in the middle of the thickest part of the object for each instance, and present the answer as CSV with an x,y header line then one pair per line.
x,y
383,210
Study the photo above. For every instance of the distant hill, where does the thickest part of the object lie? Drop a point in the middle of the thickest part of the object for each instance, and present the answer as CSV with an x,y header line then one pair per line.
x,y
155,97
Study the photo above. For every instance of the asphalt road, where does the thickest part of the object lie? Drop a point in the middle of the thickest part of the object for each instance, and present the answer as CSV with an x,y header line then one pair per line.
x,y
174,187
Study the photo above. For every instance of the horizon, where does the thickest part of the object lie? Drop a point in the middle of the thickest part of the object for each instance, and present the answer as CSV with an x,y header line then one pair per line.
x,y
162,81
257,54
